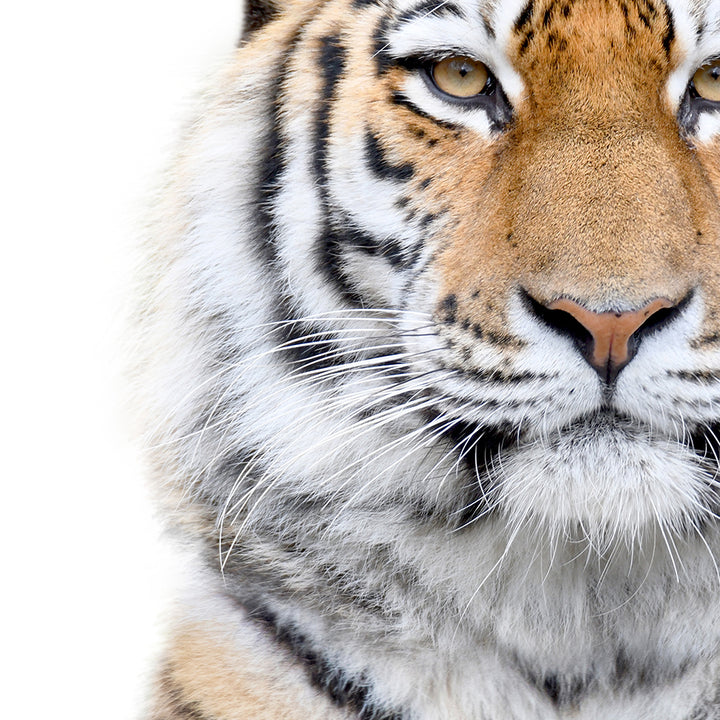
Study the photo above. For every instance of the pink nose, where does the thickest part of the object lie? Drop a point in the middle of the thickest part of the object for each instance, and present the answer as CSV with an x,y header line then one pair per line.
x,y
611,332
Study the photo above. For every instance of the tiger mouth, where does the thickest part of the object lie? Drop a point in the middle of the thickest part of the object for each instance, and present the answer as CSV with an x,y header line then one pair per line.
x,y
479,446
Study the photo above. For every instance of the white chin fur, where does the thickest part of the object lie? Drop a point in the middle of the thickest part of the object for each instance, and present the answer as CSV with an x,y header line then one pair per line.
x,y
609,482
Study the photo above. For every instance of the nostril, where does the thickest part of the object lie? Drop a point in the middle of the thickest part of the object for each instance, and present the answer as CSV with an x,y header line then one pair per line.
x,y
660,318
607,340
563,322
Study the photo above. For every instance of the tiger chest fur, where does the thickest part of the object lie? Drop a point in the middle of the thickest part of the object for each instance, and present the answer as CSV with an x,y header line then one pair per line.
x,y
431,365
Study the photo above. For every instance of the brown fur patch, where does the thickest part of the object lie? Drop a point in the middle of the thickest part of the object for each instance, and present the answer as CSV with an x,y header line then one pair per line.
x,y
211,675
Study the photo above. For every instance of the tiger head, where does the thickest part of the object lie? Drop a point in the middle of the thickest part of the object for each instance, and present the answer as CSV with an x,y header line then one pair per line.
x,y
432,355
510,211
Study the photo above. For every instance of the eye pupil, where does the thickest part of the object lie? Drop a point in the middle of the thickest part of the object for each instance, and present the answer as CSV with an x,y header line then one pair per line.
x,y
464,68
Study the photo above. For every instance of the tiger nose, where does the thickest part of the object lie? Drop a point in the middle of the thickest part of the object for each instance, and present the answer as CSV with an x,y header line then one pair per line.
x,y
608,340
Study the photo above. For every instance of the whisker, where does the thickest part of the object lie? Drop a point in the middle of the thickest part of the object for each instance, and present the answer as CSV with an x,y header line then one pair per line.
x,y
351,433
391,417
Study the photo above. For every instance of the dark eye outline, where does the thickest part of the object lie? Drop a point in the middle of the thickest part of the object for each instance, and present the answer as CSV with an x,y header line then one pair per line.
x,y
693,105
491,99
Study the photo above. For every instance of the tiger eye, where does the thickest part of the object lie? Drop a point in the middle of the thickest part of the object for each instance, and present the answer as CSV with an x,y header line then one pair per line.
x,y
707,81
460,76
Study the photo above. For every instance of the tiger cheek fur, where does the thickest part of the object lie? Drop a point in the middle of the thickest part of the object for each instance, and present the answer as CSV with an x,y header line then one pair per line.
x,y
432,377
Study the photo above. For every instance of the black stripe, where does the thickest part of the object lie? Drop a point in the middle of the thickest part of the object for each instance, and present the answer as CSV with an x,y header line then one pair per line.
x,y
647,9
273,161
331,262
547,17
380,165
243,463
301,342
257,14
705,441
525,16
504,378
448,308
669,35
709,339
526,41
483,443
342,689
429,8
477,448
304,343
697,376
562,690
290,334
643,17
358,239
331,64
382,57
489,29
427,219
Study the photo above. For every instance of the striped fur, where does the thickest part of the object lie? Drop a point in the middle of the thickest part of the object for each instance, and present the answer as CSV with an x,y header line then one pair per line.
x,y
404,495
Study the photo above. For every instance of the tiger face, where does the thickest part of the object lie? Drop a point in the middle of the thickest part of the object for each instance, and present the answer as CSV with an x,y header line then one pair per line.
x,y
586,201
434,331
533,191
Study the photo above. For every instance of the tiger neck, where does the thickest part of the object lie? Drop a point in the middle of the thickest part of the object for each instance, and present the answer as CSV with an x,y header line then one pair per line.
x,y
562,625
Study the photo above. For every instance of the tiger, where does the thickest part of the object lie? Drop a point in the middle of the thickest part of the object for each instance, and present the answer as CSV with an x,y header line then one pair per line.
x,y
429,365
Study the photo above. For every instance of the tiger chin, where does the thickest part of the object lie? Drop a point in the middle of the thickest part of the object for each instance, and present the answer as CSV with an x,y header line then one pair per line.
x,y
430,365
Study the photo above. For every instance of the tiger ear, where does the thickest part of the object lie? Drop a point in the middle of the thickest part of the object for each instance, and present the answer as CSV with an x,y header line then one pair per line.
x,y
255,14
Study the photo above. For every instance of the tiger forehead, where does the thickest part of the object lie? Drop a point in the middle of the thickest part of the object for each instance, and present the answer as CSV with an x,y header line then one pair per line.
x,y
565,33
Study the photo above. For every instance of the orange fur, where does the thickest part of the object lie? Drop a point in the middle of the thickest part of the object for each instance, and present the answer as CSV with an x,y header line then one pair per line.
x,y
211,672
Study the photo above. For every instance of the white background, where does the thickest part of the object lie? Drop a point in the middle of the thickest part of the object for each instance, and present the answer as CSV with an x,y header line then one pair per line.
x,y
91,96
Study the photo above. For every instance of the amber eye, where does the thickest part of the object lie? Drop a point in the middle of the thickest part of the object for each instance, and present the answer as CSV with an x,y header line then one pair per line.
x,y
460,76
707,81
